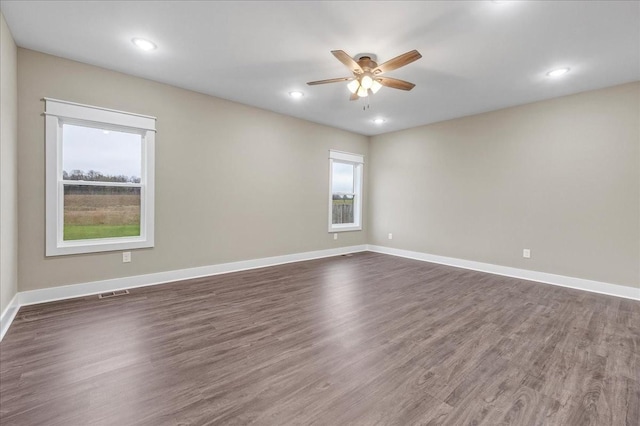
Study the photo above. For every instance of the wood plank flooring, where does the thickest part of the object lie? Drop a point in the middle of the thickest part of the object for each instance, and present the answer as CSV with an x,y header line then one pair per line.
x,y
365,339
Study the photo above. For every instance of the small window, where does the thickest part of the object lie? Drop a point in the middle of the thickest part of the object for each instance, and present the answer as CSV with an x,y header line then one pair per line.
x,y
99,173
345,195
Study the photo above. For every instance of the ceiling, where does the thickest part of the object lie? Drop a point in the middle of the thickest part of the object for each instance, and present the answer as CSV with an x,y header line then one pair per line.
x,y
477,56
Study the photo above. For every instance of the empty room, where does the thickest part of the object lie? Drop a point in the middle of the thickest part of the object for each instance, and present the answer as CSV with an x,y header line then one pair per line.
x,y
319,213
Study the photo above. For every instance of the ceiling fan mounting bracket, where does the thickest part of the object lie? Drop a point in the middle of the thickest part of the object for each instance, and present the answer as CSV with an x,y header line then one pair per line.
x,y
371,56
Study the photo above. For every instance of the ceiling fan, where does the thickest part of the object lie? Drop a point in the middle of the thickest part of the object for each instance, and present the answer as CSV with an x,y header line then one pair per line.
x,y
366,79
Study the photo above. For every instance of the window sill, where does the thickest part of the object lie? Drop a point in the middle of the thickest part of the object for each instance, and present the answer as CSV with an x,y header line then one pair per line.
x,y
337,228
97,246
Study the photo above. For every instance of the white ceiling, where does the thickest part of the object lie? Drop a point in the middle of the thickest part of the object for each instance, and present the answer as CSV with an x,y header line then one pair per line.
x,y
477,56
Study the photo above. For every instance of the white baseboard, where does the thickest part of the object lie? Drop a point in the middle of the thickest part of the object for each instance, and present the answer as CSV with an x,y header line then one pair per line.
x,y
86,289
6,318
542,277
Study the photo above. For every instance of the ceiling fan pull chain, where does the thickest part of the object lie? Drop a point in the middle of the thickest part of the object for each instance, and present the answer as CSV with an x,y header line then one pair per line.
x,y
365,103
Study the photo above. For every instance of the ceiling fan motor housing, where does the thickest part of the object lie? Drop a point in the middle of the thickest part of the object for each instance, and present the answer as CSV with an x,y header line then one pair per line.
x,y
367,63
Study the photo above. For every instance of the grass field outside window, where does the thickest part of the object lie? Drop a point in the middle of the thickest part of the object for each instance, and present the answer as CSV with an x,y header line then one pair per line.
x,y
93,212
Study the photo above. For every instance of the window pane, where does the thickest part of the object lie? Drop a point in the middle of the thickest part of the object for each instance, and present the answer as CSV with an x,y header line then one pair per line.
x,y
342,177
100,212
342,209
100,155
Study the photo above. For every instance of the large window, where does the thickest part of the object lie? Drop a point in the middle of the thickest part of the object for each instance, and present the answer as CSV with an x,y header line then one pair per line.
x,y
345,195
99,173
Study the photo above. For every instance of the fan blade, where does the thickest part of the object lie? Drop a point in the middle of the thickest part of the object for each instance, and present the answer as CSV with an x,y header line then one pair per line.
x,y
354,97
343,57
398,61
395,83
331,80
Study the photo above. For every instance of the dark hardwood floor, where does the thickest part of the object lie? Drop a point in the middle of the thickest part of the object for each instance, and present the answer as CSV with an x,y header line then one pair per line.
x,y
365,339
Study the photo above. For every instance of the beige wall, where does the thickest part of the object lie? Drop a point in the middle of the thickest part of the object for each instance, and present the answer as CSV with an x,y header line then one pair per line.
x,y
560,177
223,174
8,167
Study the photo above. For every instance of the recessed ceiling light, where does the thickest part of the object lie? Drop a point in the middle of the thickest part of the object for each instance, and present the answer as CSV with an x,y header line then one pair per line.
x,y
558,72
296,94
144,44
379,120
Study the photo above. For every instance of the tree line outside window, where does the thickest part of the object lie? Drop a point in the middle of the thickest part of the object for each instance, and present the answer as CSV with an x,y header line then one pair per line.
x,y
95,176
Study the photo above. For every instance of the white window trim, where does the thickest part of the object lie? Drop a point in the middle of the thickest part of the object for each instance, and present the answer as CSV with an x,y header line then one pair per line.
x,y
59,112
358,161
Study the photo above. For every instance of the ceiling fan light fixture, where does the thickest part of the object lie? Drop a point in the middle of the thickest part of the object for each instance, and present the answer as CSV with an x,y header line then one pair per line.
x,y
366,81
375,86
353,86
362,92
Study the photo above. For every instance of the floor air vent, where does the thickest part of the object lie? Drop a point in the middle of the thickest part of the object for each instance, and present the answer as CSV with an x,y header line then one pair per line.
x,y
113,294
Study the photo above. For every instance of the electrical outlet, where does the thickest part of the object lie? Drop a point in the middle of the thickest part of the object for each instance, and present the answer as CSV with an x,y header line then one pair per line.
x,y
126,257
335,236
390,236
526,253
